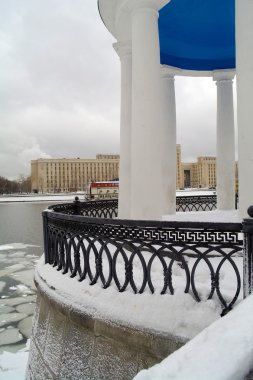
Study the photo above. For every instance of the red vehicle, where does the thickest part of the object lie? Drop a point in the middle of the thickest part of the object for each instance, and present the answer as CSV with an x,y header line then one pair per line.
x,y
103,190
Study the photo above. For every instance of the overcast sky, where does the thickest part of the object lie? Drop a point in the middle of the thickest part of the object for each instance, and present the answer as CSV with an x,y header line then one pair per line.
x,y
60,88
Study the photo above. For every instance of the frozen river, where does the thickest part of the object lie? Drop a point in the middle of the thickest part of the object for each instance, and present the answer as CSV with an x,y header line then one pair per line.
x,y
21,245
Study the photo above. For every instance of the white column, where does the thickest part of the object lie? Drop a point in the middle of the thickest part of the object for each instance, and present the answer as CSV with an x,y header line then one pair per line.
x,y
169,172
244,79
147,117
225,161
125,53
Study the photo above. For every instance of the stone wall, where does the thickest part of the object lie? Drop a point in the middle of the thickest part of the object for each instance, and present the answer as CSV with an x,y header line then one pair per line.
x,y
69,344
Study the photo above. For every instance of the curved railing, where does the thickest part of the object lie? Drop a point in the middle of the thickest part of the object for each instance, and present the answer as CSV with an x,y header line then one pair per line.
x,y
109,208
97,209
143,255
196,203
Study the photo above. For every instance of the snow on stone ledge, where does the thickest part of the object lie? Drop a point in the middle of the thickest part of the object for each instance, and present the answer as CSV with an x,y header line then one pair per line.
x,y
222,351
218,216
179,314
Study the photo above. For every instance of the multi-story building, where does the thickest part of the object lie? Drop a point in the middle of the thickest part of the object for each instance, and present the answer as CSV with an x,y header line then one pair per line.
x,y
65,174
58,175
202,173
206,171
190,175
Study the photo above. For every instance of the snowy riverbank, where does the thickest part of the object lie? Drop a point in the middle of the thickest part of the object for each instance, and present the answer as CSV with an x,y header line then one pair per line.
x,y
71,196
41,197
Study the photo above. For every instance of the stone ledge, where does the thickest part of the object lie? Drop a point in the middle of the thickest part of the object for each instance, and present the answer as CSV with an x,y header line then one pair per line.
x,y
72,344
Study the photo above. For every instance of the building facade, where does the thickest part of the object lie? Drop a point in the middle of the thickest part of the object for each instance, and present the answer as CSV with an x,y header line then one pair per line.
x,y
66,175
202,174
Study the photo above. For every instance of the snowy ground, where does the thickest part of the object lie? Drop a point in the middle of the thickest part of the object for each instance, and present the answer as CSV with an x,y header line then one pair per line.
x,y
224,216
41,197
70,196
222,351
17,301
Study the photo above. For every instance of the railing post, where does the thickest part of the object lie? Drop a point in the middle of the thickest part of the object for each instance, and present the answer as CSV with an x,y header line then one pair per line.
x,y
45,236
248,254
77,208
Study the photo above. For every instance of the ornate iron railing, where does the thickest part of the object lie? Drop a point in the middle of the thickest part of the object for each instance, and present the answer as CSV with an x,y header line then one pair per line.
x,y
109,208
196,203
143,255
96,209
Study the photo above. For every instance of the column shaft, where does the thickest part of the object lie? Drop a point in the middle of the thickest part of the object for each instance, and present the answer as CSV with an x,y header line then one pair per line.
x,y
225,163
169,144
125,54
146,116
244,73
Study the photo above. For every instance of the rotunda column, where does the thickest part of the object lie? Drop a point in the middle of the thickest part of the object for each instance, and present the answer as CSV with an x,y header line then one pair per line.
x,y
225,161
124,51
147,119
169,163
244,81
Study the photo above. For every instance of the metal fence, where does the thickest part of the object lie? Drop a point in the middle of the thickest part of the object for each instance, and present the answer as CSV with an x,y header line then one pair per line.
x,y
196,203
109,208
84,240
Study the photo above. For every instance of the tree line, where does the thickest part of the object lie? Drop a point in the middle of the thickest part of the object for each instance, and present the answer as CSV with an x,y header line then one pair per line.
x,y
20,185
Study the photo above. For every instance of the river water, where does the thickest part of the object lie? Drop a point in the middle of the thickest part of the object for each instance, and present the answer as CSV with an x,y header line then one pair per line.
x,y
21,245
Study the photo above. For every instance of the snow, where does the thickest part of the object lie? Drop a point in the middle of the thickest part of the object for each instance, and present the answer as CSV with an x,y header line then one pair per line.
x,y
2,286
6,309
16,300
222,351
221,216
13,365
25,327
25,277
14,246
26,308
11,269
195,192
9,336
178,314
6,319
16,307
5,247
70,197
41,198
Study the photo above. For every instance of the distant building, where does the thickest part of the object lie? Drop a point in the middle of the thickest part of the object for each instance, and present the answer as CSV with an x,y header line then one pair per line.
x,y
202,173
58,175
65,174
180,173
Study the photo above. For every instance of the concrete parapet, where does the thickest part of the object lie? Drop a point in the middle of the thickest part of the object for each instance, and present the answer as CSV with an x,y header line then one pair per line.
x,y
69,344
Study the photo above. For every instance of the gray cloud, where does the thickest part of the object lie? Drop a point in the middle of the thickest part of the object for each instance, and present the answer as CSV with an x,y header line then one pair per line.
x,y
60,87
59,92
